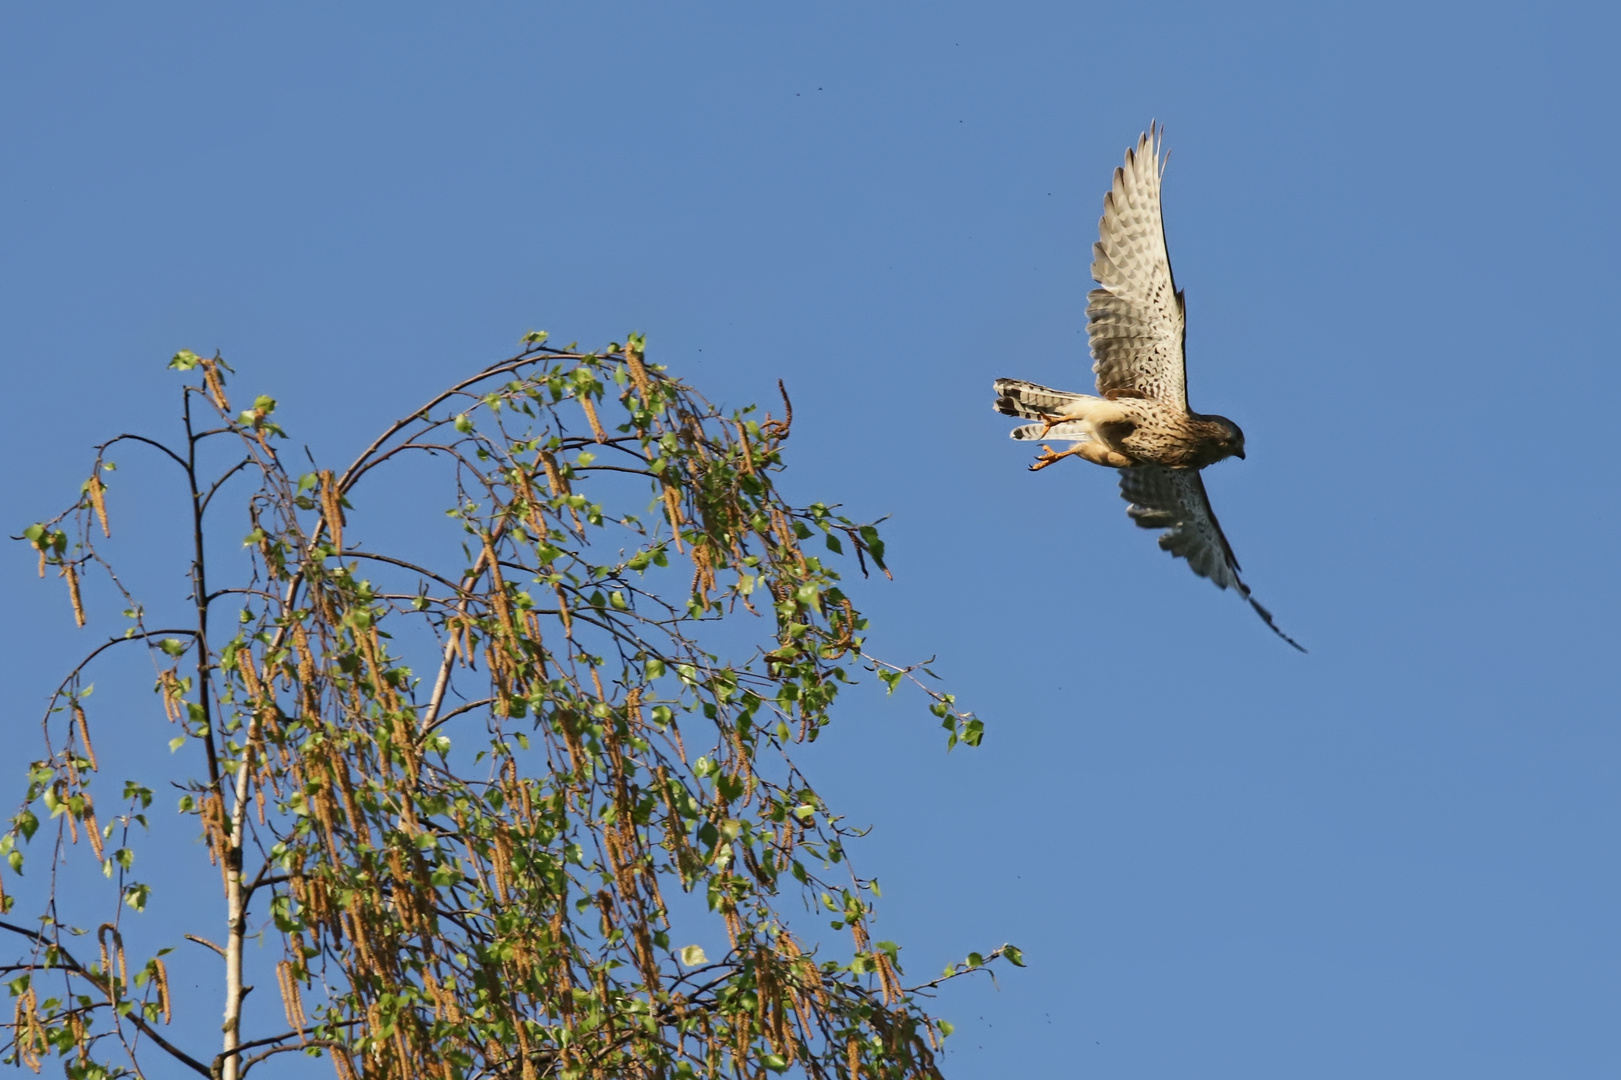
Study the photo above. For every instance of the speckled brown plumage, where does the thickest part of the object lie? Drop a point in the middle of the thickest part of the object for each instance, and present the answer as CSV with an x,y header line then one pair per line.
x,y
1140,422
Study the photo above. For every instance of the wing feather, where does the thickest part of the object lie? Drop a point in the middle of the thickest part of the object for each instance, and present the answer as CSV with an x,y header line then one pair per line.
x,y
1175,500
1136,321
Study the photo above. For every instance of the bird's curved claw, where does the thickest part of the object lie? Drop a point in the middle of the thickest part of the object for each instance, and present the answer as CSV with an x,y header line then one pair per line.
x,y
1047,457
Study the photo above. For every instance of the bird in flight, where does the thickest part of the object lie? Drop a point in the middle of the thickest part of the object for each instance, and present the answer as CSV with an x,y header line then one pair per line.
x,y
1140,422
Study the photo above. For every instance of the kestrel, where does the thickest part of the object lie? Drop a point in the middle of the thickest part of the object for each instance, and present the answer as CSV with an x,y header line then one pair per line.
x,y
1141,423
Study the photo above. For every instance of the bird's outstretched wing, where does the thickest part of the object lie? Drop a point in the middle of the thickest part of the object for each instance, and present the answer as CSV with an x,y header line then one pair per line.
x,y
1136,321
1175,500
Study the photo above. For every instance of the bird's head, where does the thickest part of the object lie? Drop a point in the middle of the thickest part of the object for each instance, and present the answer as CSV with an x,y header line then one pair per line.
x,y
1231,437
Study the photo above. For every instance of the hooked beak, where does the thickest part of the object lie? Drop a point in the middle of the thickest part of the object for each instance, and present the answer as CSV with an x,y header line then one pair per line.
x,y
1241,453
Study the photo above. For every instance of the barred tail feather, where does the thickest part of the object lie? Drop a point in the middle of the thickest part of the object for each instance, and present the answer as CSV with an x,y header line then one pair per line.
x,y
1068,431
1015,397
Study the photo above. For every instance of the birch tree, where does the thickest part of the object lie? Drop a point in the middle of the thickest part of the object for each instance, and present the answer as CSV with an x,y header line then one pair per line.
x,y
474,806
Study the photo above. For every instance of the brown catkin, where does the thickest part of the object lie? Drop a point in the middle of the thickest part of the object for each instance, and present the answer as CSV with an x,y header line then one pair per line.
x,y
672,507
342,1065
118,954
97,490
162,972
563,613
377,658
84,734
501,866
748,452
92,830
555,480
351,809
403,1053
332,507
498,586
173,699
638,374
26,1019
526,1059
250,677
306,659
217,829
591,417
73,593
215,385
888,980
291,1001
435,994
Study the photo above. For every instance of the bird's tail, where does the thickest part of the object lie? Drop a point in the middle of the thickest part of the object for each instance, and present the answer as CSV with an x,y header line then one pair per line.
x,y
1068,431
1015,397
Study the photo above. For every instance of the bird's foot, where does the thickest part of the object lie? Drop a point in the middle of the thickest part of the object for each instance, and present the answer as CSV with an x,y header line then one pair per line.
x,y
1048,422
1048,456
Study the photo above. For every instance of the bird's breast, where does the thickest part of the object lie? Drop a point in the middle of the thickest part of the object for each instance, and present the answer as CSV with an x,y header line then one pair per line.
x,y
1163,434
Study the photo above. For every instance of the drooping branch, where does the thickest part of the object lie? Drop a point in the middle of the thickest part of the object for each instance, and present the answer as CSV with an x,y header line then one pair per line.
x,y
58,957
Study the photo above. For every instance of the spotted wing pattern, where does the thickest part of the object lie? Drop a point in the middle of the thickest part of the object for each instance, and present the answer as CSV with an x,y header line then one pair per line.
x,y
1136,320
1175,500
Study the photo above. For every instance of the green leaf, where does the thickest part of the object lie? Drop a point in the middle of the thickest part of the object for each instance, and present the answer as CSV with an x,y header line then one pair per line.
x,y
185,360
875,546
693,956
464,423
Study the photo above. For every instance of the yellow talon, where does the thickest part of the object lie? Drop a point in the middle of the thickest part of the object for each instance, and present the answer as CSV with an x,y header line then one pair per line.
x,y
1047,457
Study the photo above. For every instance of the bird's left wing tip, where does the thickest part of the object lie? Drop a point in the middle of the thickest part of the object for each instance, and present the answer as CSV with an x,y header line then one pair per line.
x,y
1266,617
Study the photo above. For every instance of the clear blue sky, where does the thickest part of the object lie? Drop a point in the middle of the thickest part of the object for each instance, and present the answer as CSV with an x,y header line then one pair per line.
x,y
1397,228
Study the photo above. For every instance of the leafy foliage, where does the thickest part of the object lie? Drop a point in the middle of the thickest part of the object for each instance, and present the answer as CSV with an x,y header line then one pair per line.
x,y
477,871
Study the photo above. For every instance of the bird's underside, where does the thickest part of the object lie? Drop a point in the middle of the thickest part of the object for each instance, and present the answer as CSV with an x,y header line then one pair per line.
x,y
1139,421
1119,430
